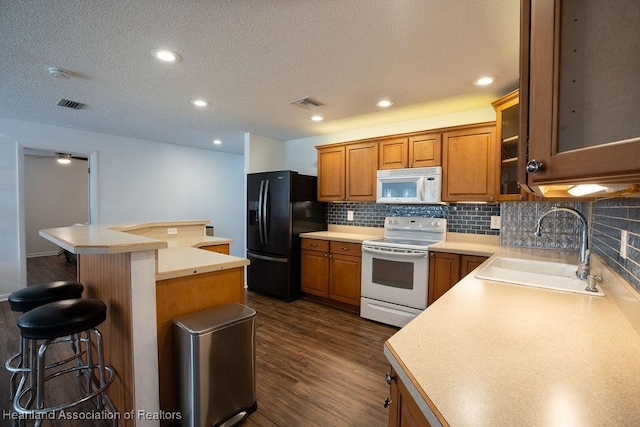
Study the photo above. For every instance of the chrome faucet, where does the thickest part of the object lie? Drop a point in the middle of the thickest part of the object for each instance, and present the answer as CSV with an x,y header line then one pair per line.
x,y
583,267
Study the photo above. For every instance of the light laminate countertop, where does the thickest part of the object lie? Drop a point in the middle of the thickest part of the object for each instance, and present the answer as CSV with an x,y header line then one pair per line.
x,y
178,255
490,353
185,261
345,233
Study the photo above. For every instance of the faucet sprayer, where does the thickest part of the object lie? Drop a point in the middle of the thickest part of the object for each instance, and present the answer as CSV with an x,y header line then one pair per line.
x,y
583,267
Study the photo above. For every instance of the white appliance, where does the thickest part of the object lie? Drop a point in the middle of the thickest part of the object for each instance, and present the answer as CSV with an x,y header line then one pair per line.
x,y
414,185
395,269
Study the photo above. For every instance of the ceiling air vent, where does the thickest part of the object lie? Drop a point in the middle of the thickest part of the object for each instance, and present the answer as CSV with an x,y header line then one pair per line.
x,y
71,104
307,103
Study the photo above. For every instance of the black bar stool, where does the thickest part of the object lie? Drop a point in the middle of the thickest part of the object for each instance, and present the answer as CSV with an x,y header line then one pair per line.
x,y
47,323
27,299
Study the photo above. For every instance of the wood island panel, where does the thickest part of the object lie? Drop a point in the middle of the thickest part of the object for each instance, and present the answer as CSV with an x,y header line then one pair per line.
x,y
196,293
108,278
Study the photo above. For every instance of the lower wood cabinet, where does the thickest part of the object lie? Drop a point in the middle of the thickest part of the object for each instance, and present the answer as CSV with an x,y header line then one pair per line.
x,y
446,269
403,409
332,270
223,249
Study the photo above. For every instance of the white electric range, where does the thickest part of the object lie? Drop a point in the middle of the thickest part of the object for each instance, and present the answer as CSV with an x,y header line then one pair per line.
x,y
395,269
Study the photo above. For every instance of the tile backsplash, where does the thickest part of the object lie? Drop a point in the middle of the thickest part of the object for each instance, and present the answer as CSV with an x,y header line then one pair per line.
x,y
560,230
608,219
461,217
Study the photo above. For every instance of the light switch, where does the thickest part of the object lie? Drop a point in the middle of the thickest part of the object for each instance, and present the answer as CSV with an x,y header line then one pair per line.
x,y
349,215
171,231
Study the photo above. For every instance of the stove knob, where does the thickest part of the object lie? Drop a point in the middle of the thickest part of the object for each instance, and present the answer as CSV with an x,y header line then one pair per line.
x,y
437,223
432,223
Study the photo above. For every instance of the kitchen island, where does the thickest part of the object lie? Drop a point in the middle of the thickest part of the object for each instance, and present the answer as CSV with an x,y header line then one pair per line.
x,y
490,353
149,271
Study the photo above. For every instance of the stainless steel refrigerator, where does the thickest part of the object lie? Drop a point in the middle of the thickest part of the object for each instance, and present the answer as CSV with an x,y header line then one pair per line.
x,y
280,205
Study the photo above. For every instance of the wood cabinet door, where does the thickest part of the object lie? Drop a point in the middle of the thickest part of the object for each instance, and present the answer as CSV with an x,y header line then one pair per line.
x,y
469,165
223,249
331,174
403,409
315,273
344,274
394,153
444,272
580,87
362,165
425,150
468,263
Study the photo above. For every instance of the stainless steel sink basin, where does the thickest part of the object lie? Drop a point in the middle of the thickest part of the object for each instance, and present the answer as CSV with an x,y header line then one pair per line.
x,y
539,274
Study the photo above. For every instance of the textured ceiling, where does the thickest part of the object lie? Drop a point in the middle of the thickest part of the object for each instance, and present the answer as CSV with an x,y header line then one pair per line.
x,y
250,59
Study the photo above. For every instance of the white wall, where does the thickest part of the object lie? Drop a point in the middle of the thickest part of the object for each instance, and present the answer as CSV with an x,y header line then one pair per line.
x,y
301,156
137,180
263,154
54,194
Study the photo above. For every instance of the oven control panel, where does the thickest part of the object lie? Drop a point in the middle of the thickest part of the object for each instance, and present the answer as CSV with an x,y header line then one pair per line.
x,y
415,223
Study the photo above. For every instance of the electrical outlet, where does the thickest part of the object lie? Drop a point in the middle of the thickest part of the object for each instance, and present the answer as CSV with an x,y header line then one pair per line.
x,y
495,223
171,231
623,243
349,215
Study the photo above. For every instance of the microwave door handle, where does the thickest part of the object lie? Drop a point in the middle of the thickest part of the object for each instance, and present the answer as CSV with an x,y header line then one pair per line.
x,y
260,212
402,254
421,190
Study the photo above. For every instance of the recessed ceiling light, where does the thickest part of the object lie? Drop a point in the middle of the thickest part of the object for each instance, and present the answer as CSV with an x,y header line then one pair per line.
x,y
165,55
200,103
485,80
317,118
217,141
384,103
64,158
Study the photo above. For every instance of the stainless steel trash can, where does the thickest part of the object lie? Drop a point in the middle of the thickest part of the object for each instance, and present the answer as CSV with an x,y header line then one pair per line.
x,y
215,365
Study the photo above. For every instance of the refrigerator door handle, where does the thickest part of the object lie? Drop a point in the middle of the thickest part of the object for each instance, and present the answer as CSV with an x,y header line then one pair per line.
x,y
265,214
260,213
267,258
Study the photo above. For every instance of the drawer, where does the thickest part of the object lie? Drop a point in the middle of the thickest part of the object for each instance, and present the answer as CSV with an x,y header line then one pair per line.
x,y
354,249
315,245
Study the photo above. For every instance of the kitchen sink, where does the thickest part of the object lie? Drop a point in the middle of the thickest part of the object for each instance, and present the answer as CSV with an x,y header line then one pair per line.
x,y
539,274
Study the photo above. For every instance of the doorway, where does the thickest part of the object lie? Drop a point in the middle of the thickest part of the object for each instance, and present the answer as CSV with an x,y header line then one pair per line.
x,y
55,194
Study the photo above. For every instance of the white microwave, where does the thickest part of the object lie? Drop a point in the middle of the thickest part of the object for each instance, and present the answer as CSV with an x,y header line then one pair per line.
x,y
410,186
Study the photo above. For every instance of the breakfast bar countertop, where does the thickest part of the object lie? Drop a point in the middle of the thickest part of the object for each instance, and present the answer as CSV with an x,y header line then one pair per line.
x,y
490,353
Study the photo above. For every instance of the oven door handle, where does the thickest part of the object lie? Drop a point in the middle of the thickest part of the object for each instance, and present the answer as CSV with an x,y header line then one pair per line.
x,y
402,254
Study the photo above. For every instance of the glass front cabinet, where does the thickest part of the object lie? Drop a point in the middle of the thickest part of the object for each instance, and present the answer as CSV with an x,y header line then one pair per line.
x,y
580,92
507,128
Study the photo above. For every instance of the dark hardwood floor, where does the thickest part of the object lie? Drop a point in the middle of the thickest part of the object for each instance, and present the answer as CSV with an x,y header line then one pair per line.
x,y
315,365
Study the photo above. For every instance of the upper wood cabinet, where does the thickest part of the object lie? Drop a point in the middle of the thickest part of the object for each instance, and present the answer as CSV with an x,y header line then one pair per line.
x,y
507,131
361,168
579,92
415,151
347,172
394,153
469,164
331,173
425,150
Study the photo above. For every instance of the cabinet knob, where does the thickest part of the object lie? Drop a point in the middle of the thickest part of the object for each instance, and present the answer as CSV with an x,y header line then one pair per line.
x,y
390,378
491,198
345,249
431,254
387,402
314,245
534,166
